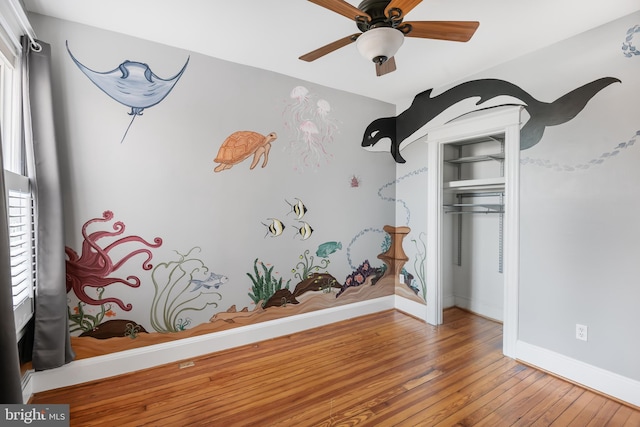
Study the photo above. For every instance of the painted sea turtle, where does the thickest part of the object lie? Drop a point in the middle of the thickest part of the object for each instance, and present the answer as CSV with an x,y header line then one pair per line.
x,y
240,145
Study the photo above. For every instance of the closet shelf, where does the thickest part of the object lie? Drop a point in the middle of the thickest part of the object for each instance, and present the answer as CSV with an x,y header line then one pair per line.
x,y
463,208
484,184
470,205
473,159
475,212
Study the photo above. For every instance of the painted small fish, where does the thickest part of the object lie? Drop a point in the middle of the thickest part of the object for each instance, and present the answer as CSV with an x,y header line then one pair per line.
x,y
327,248
213,281
275,228
305,230
298,208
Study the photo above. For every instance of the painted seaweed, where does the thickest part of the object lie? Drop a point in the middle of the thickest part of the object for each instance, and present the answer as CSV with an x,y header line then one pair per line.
x,y
419,264
265,285
79,320
174,297
306,266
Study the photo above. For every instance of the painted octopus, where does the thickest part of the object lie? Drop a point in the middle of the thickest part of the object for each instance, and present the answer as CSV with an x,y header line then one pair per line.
x,y
93,267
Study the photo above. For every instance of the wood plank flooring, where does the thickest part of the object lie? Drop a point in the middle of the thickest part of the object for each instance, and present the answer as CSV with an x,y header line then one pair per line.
x,y
385,369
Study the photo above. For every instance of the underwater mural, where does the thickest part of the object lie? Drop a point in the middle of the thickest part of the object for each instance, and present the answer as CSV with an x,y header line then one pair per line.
x,y
178,290
628,48
186,284
419,263
305,231
306,266
275,227
355,181
92,268
597,161
266,285
241,145
298,208
84,319
327,248
132,84
311,128
387,193
425,108
393,199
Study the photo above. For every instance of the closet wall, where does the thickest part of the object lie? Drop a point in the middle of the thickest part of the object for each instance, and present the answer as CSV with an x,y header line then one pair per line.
x,y
473,224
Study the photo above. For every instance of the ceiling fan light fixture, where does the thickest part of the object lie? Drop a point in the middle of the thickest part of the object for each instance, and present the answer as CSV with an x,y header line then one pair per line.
x,y
379,44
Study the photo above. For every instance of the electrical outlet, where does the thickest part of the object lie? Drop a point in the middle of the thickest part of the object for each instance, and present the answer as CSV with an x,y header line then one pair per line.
x,y
582,332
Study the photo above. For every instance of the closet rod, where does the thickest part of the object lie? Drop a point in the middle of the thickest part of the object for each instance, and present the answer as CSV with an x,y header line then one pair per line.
x,y
481,194
474,212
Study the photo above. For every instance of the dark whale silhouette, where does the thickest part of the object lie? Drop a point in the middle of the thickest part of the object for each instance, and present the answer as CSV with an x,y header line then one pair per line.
x,y
424,108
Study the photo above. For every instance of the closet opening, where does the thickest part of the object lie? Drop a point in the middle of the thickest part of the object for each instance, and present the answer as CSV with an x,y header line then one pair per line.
x,y
473,218
473,196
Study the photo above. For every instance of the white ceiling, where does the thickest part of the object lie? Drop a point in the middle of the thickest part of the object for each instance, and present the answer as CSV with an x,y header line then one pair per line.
x,y
273,34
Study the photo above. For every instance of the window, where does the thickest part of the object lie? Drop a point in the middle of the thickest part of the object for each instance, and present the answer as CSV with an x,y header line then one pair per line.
x,y
21,247
20,207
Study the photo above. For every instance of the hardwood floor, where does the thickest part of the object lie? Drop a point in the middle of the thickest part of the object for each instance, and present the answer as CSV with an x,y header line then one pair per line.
x,y
385,369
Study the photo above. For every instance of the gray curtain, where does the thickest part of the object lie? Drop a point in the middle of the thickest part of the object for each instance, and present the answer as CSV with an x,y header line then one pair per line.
x,y
10,387
51,342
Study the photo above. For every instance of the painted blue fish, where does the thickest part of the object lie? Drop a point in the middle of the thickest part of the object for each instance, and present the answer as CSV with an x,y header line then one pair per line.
x,y
275,228
298,208
213,281
327,248
305,230
132,84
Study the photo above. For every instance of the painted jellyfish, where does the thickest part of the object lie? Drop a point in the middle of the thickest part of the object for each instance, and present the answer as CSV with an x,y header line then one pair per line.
x,y
310,127
323,108
297,107
327,125
313,149
300,97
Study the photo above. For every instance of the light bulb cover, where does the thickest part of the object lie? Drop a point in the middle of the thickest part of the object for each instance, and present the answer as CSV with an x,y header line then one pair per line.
x,y
379,44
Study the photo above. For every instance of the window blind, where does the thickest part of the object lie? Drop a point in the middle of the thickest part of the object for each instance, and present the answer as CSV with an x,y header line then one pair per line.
x,y
22,245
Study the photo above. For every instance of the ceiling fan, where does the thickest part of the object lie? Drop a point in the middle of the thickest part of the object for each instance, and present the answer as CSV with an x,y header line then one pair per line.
x,y
383,30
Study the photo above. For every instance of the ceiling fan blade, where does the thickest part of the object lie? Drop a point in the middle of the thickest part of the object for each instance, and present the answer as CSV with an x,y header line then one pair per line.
x,y
458,31
343,8
404,5
322,51
386,67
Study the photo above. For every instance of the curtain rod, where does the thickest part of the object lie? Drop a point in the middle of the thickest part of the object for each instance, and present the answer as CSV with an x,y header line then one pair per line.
x,y
25,24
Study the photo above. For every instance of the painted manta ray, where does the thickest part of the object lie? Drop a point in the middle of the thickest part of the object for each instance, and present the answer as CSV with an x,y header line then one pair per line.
x,y
132,84
425,108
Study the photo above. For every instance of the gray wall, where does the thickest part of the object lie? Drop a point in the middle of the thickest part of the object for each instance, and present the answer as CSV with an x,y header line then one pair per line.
x,y
580,235
160,182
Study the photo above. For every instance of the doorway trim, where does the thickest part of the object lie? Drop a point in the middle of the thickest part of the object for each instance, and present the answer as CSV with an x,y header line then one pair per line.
x,y
483,123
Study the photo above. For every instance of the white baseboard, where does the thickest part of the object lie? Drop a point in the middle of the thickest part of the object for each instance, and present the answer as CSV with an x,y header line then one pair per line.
x,y
412,308
27,386
590,376
109,365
